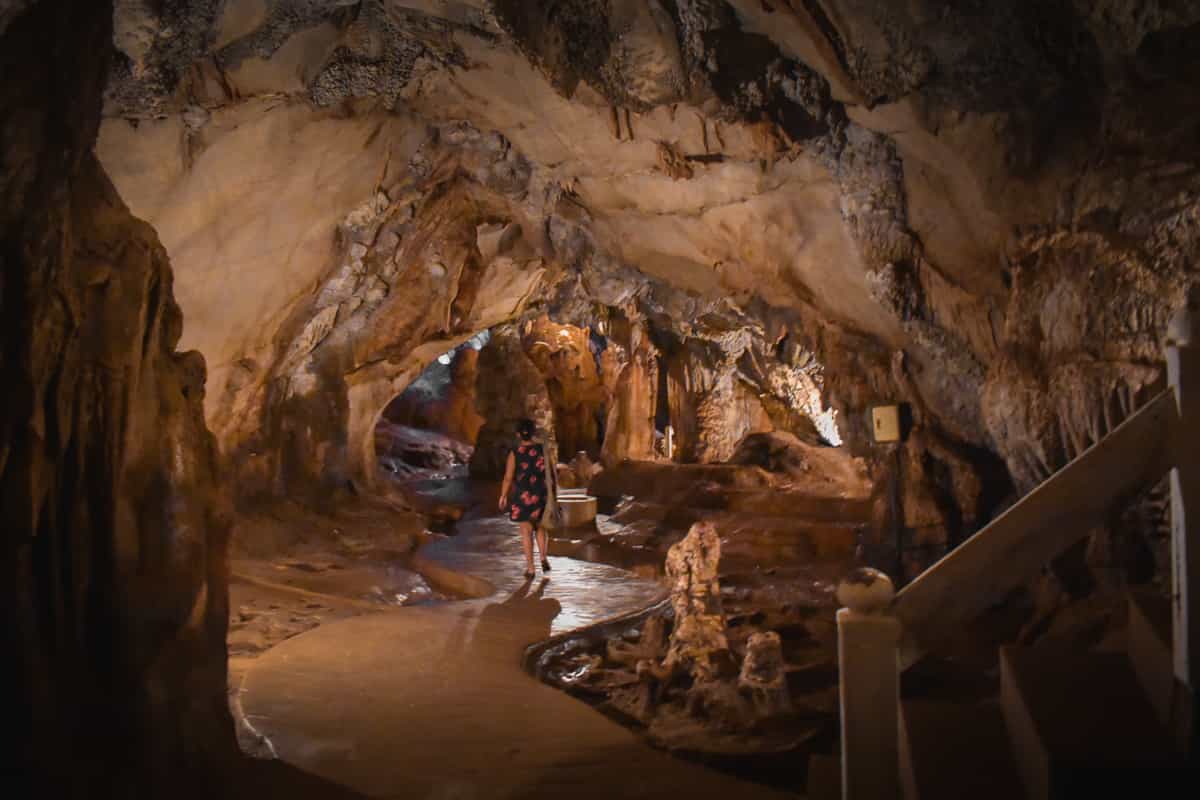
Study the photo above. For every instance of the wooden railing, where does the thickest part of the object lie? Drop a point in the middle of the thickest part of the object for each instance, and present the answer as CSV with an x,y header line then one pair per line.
x,y
879,636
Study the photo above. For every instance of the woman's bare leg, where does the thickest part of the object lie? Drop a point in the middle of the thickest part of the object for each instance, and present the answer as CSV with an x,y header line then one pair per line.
x,y
527,545
542,541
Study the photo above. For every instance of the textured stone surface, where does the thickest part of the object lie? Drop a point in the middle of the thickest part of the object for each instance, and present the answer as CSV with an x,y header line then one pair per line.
x,y
698,634
792,210
564,356
508,388
442,399
762,674
114,595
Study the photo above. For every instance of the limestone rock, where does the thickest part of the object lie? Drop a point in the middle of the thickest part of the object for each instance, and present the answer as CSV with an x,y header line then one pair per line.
x,y
443,397
698,635
115,596
509,388
566,357
762,675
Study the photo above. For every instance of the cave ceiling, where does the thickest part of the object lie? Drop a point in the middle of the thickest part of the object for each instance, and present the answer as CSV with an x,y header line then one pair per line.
x,y
1006,192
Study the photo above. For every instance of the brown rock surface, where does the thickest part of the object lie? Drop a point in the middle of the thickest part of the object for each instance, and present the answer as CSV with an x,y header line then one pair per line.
x,y
783,213
842,180
442,399
115,584
509,388
698,634
564,357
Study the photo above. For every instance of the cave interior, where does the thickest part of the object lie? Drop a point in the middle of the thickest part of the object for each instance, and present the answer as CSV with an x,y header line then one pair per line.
x,y
862,340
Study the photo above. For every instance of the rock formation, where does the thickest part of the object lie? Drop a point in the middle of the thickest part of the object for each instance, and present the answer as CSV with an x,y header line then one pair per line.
x,y
115,585
779,195
762,675
698,634
442,399
778,214
570,369
509,388
632,379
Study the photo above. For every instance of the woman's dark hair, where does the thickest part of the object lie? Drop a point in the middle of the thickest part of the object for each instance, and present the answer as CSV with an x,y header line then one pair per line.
x,y
526,428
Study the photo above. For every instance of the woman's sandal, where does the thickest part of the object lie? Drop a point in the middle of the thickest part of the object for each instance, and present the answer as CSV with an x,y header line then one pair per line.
x,y
529,575
545,565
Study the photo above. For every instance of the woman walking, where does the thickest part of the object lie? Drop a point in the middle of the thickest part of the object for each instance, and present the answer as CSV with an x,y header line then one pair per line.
x,y
525,476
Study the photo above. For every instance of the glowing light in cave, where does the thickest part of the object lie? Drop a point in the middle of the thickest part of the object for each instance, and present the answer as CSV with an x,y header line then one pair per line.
x,y
476,342
826,423
801,387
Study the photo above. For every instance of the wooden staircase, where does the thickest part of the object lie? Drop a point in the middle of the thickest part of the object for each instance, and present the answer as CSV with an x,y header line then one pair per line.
x,y
1074,718
1062,722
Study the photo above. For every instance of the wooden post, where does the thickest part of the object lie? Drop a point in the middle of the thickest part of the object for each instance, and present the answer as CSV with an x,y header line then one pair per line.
x,y
869,690
1183,371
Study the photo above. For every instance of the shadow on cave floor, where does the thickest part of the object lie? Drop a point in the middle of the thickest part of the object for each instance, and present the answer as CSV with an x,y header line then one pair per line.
x,y
347,657
432,700
257,778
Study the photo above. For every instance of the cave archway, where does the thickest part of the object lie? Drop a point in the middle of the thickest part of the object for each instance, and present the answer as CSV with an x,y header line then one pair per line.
x,y
429,430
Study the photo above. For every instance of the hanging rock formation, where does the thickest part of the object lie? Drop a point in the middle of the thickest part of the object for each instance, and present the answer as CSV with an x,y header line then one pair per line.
x,y
563,355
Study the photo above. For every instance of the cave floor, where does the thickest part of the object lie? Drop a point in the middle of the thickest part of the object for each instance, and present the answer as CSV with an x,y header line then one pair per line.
x,y
432,701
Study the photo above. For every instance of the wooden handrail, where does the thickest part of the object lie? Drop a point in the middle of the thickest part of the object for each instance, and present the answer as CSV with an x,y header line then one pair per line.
x,y
1162,436
984,569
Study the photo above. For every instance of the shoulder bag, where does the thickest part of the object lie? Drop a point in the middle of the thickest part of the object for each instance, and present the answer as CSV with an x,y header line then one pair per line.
x,y
552,516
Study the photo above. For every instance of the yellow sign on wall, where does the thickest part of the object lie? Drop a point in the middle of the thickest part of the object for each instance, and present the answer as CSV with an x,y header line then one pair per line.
x,y
886,423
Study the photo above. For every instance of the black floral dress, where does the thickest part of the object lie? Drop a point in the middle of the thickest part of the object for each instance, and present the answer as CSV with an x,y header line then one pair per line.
x,y
529,484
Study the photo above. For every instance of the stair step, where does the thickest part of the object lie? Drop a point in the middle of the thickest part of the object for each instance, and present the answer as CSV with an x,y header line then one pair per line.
x,y
950,751
1150,648
1080,720
824,778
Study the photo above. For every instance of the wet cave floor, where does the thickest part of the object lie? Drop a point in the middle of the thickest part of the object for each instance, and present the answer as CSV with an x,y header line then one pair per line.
x,y
397,661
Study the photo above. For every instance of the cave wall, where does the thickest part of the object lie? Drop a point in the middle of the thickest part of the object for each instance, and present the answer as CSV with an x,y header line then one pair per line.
x,y
114,593
509,387
1004,193
574,382
632,378
710,409
203,157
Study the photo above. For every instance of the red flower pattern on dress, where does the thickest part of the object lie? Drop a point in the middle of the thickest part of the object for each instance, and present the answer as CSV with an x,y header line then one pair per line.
x,y
529,493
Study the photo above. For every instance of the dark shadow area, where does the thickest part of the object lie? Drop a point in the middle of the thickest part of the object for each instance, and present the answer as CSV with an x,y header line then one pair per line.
x,y
526,609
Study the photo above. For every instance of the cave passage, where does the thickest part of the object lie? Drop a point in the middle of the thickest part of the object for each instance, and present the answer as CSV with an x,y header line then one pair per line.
x,y
279,278
429,430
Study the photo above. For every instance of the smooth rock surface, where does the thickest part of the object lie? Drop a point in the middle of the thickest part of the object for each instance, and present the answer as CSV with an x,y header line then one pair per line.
x,y
433,701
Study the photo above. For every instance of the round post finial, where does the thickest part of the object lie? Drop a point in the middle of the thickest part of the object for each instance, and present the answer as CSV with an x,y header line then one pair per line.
x,y
866,591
